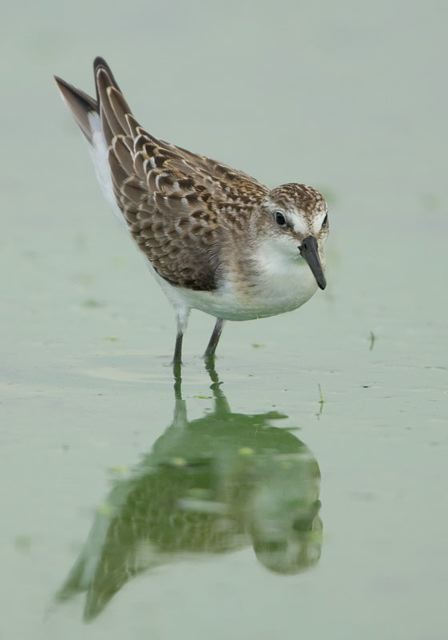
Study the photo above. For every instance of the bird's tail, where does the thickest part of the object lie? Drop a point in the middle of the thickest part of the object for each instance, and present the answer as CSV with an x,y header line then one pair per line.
x,y
106,122
80,104
109,106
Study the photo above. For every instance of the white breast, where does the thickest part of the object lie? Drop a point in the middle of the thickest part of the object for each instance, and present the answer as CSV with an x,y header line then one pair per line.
x,y
284,282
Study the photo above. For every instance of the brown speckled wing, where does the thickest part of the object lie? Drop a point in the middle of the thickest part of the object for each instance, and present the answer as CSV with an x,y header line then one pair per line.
x,y
178,205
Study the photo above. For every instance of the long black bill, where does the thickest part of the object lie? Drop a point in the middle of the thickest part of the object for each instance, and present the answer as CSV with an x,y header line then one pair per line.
x,y
309,251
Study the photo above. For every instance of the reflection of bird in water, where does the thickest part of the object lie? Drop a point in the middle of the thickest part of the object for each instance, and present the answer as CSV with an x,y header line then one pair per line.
x,y
211,485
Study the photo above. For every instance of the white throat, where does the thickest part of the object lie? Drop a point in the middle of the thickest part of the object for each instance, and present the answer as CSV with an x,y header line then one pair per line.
x,y
285,280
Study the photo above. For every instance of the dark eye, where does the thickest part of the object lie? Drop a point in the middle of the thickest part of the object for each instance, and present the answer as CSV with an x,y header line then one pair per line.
x,y
325,222
280,219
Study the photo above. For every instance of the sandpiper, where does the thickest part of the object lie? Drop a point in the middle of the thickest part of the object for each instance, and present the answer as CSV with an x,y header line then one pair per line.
x,y
215,239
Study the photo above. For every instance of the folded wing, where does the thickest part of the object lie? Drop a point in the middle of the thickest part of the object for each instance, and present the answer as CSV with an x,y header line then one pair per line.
x,y
176,203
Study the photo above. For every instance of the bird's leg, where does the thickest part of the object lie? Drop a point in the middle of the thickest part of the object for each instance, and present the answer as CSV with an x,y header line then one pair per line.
x,y
178,348
214,339
177,359
182,321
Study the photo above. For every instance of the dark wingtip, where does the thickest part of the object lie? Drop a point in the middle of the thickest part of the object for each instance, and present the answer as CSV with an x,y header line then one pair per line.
x,y
100,62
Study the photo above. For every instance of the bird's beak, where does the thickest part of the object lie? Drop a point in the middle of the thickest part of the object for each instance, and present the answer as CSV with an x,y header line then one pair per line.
x,y
308,251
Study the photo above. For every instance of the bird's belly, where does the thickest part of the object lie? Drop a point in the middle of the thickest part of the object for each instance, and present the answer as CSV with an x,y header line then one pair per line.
x,y
268,296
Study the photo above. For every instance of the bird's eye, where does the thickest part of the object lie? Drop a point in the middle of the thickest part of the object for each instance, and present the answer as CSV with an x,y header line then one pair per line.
x,y
280,219
325,222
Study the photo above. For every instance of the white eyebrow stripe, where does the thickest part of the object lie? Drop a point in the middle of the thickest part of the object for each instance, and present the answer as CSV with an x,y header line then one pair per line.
x,y
317,222
298,224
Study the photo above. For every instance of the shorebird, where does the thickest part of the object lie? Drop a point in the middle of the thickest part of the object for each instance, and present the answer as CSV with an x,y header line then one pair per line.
x,y
215,238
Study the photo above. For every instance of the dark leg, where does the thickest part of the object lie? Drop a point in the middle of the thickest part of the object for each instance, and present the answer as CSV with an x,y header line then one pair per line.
x,y
214,339
178,349
182,321
177,359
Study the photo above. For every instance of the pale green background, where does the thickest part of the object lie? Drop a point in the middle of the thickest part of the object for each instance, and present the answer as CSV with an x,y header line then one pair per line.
x,y
348,96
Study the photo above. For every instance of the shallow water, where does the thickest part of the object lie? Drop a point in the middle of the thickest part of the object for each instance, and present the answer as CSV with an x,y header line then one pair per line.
x,y
305,493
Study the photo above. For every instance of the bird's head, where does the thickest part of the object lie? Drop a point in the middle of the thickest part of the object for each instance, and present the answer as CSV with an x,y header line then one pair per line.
x,y
294,220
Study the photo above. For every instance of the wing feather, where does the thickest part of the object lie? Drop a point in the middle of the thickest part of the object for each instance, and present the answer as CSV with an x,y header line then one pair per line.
x,y
177,204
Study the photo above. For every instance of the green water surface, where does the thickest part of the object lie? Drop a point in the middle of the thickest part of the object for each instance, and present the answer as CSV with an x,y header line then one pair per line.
x,y
298,490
